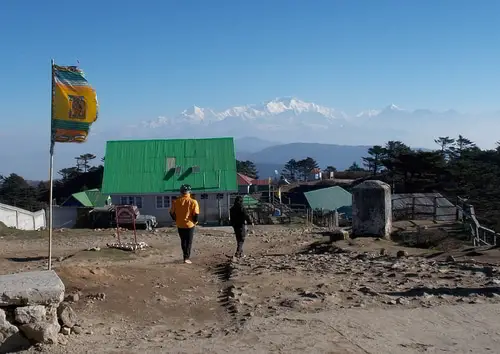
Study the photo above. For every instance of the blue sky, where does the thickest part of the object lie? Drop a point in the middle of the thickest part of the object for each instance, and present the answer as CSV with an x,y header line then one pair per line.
x,y
152,58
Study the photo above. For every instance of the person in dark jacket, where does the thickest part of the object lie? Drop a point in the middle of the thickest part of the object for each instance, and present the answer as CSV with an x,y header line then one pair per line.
x,y
239,216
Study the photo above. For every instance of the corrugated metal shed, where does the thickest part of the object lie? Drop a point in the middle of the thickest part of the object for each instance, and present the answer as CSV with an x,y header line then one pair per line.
x,y
330,198
162,166
89,198
424,206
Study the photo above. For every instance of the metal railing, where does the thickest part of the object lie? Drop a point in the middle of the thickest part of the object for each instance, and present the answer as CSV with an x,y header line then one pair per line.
x,y
479,235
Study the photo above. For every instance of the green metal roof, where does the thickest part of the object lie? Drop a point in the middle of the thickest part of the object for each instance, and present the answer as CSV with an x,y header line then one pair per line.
x,y
249,200
159,166
90,198
330,198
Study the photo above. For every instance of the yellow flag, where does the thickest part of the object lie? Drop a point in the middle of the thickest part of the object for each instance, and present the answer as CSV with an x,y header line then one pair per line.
x,y
74,105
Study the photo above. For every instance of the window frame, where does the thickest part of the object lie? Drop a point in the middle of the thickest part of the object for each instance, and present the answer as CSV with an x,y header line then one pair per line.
x,y
138,201
163,204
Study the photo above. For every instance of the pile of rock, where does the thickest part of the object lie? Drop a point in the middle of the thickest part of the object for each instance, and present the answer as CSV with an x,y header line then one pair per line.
x,y
32,310
128,246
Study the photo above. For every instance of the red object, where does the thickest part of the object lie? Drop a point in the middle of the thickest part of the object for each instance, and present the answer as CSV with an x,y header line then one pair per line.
x,y
126,214
260,182
244,180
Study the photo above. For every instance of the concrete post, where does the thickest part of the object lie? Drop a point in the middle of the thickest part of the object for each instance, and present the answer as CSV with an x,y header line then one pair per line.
x,y
372,209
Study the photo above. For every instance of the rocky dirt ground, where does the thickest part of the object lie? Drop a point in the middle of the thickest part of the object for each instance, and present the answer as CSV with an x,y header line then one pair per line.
x,y
294,292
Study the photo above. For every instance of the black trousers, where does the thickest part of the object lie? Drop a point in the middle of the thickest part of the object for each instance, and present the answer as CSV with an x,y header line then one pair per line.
x,y
240,231
186,236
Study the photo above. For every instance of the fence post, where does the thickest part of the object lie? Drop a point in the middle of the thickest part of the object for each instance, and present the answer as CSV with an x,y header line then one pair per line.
x,y
435,208
413,208
336,218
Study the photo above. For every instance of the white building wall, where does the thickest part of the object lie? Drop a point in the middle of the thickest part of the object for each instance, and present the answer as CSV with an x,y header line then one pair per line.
x,y
22,219
209,208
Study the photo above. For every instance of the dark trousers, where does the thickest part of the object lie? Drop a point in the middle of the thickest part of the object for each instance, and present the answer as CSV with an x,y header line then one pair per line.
x,y
186,236
240,232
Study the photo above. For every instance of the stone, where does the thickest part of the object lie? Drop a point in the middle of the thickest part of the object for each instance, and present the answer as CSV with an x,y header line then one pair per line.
x,y
51,314
30,314
401,254
6,328
41,332
75,297
66,331
450,258
383,252
367,290
372,209
77,330
66,315
402,301
31,288
339,235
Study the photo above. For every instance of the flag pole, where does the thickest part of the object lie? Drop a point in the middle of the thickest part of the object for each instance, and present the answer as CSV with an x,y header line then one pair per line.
x,y
51,169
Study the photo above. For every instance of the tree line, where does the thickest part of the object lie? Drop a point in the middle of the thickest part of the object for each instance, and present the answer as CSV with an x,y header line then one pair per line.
x,y
457,167
294,170
16,191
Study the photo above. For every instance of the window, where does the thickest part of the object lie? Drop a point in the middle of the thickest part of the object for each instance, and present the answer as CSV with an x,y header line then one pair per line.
x,y
178,170
131,200
169,164
195,169
162,202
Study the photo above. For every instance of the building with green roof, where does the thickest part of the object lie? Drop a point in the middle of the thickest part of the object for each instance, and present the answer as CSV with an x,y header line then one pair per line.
x,y
330,199
91,198
149,174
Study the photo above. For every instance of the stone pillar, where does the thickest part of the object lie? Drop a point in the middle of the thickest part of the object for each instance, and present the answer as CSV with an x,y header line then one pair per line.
x,y
372,209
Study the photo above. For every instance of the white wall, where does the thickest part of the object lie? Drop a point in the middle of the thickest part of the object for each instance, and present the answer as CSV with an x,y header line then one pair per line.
x,y
209,210
22,219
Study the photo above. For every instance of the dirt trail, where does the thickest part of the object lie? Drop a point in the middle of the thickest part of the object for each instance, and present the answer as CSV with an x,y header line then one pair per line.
x,y
290,295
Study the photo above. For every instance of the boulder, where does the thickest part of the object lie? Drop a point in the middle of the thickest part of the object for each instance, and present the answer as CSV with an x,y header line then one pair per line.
x,y
30,314
41,332
339,235
31,288
66,315
6,328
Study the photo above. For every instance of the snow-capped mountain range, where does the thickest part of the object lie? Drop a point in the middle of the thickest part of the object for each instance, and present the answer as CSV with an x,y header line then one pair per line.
x,y
289,119
252,112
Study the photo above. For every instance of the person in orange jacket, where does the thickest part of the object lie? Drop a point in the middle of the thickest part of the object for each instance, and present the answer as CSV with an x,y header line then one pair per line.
x,y
185,212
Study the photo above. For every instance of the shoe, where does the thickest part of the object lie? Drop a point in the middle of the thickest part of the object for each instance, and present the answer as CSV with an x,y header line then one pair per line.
x,y
187,261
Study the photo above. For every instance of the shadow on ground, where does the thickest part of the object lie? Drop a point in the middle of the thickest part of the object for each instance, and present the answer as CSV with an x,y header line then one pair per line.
x,y
459,291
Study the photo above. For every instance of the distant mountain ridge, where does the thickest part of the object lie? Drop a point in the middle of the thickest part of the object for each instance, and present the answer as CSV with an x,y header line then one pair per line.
x,y
258,126
289,119
275,157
